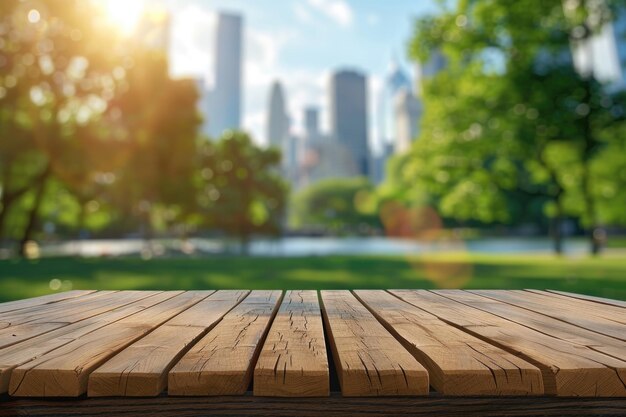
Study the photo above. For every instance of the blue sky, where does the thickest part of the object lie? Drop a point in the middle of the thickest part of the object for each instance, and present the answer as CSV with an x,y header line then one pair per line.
x,y
298,42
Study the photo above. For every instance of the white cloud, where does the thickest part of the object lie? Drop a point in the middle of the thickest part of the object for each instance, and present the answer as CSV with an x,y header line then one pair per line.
x,y
254,123
193,39
337,10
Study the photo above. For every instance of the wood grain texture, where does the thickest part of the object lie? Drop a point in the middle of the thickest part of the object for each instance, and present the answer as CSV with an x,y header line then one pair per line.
x,y
335,405
23,326
567,369
24,352
457,363
599,318
222,362
293,361
28,314
41,301
537,321
65,371
141,369
368,359
608,301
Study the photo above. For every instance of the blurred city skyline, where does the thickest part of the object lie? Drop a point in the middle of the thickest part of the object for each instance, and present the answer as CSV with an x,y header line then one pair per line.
x,y
299,42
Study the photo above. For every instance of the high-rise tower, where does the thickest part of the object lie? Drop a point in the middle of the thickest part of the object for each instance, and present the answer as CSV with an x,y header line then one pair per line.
x,y
348,116
278,121
225,112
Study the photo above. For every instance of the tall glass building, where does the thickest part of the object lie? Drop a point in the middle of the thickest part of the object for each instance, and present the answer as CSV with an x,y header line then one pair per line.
x,y
348,116
226,96
278,121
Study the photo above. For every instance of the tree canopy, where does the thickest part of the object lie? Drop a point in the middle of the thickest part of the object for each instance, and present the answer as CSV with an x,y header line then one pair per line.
x,y
512,120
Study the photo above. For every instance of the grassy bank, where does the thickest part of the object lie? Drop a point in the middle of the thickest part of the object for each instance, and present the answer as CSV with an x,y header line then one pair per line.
x,y
603,277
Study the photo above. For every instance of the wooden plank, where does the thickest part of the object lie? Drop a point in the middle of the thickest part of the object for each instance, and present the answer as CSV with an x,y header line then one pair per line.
x,y
41,301
21,353
369,361
293,361
605,311
568,369
588,318
65,371
221,363
17,328
141,369
608,301
335,405
539,322
457,363
27,314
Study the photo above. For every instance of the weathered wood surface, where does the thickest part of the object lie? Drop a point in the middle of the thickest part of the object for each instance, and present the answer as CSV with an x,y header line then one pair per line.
x,y
293,361
41,301
568,369
541,323
604,319
458,363
600,300
369,360
141,369
335,405
64,372
221,363
25,324
24,352
308,344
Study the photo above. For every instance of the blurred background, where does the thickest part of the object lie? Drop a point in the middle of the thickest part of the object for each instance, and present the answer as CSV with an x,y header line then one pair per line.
x,y
161,144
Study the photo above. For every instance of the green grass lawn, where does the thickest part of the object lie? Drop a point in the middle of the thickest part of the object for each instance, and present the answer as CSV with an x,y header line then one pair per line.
x,y
603,277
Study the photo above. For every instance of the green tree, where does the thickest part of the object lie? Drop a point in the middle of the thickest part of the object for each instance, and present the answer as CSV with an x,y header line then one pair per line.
x,y
103,132
55,78
157,128
510,115
340,205
241,191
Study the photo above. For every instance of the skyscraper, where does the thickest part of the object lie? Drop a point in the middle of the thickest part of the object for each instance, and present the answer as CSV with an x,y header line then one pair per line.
x,y
311,122
277,121
395,81
225,111
348,116
408,111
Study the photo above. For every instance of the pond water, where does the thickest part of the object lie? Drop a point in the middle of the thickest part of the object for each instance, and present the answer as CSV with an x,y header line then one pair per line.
x,y
304,246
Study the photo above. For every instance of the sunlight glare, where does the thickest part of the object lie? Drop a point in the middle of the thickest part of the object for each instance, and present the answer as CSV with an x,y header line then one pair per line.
x,y
125,14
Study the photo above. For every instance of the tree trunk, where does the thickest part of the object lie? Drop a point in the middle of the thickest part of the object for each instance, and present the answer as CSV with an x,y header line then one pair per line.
x,y
8,199
3,215
557,233
82,215
34,212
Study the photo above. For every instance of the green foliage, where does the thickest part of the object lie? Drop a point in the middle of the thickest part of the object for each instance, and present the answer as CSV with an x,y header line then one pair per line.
x,y
101,134
339,205
241,190
510,122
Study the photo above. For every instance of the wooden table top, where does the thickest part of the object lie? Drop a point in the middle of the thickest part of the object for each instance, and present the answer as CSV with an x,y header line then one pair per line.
x,y
374,343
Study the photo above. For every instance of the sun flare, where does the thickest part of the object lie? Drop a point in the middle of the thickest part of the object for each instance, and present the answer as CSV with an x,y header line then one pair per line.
x,y
125,14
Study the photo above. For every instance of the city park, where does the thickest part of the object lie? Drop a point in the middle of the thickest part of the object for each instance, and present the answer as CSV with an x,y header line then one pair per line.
x,y
90,149
156,258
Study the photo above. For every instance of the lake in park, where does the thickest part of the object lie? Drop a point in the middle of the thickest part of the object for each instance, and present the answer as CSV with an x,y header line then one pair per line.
x,y
305,246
